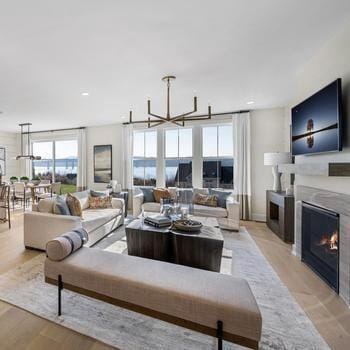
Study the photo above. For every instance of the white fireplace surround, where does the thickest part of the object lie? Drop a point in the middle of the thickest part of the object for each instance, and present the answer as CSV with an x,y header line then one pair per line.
x,y
339,203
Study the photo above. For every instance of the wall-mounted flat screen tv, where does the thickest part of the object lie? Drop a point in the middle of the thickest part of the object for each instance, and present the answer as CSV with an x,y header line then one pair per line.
x,y
317,122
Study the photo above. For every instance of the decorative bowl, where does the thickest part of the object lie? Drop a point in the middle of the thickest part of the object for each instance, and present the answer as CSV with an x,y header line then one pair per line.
x,y
187,225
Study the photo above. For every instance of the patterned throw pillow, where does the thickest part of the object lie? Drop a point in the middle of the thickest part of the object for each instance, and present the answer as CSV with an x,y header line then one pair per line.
x,y
207,200
100,202
161,193
60,206
74,205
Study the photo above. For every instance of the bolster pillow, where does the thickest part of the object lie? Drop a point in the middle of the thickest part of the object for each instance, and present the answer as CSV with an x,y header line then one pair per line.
x,y
62,246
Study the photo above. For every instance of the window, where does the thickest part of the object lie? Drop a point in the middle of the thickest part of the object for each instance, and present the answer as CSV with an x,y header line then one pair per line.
x,y
178,158
43,168
144,158
59,162
217,146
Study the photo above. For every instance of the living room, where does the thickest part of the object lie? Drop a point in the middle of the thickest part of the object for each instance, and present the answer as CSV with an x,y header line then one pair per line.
x,y
169,184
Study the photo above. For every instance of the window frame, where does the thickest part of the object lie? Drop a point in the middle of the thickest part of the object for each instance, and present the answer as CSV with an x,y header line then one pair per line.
x,y
178,158
53,141
217,157
143,131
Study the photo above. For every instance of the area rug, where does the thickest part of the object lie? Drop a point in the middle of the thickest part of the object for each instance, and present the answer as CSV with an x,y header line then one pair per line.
x,y
285,325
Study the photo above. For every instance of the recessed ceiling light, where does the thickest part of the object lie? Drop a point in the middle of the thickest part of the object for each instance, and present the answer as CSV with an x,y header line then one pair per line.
x,y
84,94
250,102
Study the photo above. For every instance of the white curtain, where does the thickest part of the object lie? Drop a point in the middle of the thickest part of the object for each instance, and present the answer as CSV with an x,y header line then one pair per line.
x,y
242,162
82,163
127,156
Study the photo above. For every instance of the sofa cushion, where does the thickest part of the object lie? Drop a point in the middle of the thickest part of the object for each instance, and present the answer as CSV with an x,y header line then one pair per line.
x,y
191,294
221,196
62,246
147,194
60,206
100,202
160,193
94,218
46,205
74,205
205,199
203,210
152,207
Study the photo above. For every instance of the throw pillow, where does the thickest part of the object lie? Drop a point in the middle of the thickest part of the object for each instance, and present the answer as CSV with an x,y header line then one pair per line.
x,y
100,202
74,205
147,194
99,193
62,246
221,196
83,197
207,200
161,193
60,206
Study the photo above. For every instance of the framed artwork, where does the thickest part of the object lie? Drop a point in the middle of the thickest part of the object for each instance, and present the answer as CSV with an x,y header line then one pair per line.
x,y
2,161
102,163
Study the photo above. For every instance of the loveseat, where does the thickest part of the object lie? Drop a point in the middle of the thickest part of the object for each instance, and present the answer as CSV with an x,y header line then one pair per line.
x,y
227,216
41,224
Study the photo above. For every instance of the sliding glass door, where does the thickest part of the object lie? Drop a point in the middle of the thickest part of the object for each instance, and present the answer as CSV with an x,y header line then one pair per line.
x,y
59,162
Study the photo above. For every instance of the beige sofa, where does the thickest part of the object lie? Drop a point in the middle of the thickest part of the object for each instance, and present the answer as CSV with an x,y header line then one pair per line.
x,y
208,302
41,224
228,218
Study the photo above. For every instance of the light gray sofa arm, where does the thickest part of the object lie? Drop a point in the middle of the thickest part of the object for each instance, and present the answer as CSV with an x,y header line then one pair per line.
x,y
137,204
118,203
39,228
231,222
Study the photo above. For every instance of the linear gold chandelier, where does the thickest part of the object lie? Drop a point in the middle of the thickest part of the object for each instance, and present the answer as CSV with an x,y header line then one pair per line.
x,y
177,119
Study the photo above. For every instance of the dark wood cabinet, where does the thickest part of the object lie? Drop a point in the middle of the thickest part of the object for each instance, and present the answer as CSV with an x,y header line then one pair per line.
x,y
280,214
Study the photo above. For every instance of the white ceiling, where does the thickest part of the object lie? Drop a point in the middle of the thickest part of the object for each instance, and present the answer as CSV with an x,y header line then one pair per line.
x,y
229,51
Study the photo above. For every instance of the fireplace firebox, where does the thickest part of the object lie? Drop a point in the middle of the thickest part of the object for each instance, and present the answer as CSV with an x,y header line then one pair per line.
x,y
320,242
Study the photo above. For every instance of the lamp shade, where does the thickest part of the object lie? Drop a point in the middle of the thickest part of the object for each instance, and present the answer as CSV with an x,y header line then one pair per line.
x,y
276,158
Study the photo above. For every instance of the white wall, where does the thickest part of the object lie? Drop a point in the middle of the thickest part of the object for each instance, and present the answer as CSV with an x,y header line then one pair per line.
x,y
329,63
104,135
267,135
10,142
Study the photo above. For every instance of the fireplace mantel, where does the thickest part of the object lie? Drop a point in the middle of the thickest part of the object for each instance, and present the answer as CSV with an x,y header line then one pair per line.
x,y
336,202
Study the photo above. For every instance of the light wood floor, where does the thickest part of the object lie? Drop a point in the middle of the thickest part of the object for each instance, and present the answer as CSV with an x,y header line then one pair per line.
x,y
21,330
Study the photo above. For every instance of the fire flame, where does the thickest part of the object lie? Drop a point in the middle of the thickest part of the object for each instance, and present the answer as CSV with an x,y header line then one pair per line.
x,y
332,242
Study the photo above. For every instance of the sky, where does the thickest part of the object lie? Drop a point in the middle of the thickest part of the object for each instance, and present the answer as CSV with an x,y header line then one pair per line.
x,y
64,149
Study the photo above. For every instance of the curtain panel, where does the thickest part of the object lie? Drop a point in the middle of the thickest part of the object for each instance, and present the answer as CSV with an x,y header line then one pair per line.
x,y
242,163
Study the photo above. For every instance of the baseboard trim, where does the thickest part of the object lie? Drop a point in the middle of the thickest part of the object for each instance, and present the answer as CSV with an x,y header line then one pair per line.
x,y
259,217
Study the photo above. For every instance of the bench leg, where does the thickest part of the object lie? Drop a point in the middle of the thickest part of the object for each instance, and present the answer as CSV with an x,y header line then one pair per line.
x,y
60,287
219,331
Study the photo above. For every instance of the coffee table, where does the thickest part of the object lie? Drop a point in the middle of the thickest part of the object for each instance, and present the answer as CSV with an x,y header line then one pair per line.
x,y
201,250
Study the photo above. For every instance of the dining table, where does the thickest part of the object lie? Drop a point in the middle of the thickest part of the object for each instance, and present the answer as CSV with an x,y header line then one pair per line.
x,y
35,188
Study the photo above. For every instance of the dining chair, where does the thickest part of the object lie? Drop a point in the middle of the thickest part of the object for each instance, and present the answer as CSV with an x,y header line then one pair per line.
x,y
22,194
55,191
5,214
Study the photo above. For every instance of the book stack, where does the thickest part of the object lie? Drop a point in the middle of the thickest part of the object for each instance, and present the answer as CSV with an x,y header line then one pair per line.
x,y
158,221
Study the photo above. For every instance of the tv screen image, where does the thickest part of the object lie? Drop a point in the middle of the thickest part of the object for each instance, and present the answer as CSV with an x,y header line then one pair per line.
x,y
316,122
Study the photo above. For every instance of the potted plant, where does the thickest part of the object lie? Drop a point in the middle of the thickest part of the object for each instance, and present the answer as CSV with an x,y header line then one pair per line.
x,y
24,179
35,180
13,179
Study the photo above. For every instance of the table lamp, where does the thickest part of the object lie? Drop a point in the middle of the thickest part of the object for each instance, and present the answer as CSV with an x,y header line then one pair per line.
x,y
274,159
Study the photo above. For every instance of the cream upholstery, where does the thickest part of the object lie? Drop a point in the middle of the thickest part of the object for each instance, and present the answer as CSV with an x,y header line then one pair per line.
x,y
195,295
41,225
93,218
203,210
151,206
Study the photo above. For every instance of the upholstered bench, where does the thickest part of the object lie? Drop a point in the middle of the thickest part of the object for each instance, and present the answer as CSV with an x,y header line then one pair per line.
x,y
208,302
